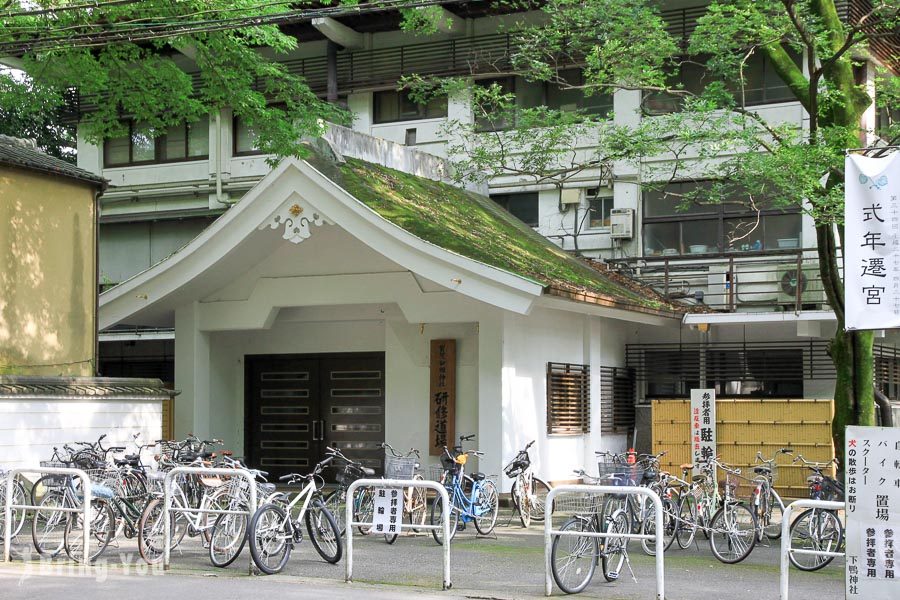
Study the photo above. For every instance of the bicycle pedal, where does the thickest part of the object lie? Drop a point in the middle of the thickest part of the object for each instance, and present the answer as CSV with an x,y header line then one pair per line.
x,y
613,575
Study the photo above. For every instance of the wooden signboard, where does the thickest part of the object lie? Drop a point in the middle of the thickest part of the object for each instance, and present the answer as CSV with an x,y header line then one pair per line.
x,y
442,400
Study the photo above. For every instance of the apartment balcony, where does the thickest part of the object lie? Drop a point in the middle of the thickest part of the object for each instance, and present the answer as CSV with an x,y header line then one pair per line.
x,y
779,280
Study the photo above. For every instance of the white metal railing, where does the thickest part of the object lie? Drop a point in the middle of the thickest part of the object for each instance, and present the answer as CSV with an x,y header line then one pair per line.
x,y
549,532
786,548
398,483
85,508
198,471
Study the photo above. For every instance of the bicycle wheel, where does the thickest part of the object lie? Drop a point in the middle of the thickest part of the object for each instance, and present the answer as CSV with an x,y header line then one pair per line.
x,y
336,503
17,515
732,533
365,510
418,506
227,539
47,526
271,538
537,499
815,529
102,531
615,549
486,507
573,558
323,532
648,527
134,489
775,516
151,532
437,514
686,528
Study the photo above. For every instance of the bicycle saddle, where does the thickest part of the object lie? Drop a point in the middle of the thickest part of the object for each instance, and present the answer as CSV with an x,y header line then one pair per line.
x,y
368,472
687,466
266,488
477,476
762,470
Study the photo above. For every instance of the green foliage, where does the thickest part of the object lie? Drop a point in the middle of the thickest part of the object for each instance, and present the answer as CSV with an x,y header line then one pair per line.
x,y
25,113
179,68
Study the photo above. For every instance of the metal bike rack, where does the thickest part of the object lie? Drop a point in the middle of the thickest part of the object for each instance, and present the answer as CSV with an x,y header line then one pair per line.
x,y
167,503
786,537
549,532
399,483
87,498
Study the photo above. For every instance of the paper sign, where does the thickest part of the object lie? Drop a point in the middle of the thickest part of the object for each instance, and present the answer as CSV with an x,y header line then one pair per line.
x,y
703,426
388,511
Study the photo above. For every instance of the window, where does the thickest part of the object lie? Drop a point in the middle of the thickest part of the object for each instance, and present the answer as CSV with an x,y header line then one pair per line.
x,y
244,138
524,206
563,95
394,105
568,398
762,85
599,209
616,399
189,141
670,228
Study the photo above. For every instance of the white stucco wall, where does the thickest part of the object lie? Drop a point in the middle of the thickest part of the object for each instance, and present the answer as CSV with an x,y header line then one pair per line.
x,y
29,429
529,343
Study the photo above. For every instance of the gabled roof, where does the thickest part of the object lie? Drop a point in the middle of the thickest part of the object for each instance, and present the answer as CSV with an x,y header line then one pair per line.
x,y
459,239
24,154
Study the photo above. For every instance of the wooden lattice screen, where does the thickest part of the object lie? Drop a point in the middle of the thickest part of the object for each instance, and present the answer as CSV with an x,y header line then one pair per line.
x,y
568,398
616,399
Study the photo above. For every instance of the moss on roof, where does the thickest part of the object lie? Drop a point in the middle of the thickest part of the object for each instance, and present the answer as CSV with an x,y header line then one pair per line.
x,y
475,227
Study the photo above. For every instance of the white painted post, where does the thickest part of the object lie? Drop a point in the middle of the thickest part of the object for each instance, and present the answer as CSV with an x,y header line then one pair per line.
x,y
7,516
401,483
549,532
786,548
167,504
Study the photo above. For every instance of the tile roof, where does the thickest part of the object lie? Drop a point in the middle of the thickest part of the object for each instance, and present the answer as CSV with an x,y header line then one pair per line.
x,y
111,388
24,154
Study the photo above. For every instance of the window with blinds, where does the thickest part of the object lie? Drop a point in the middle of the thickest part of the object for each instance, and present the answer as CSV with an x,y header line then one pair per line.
x,y
568,398
616,399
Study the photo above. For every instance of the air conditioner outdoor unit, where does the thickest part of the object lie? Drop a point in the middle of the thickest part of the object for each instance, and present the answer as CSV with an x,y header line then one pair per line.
x,y
718,287
621,221
807,282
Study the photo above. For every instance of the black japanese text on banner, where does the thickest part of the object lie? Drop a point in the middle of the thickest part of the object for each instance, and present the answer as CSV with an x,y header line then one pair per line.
x,y
872,242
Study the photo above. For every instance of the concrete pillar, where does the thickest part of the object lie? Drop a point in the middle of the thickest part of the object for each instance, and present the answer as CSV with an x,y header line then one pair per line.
x,y
192,350
490,394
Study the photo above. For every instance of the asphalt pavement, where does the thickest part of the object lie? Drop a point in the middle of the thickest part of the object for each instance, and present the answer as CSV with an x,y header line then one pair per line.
x,y
509,564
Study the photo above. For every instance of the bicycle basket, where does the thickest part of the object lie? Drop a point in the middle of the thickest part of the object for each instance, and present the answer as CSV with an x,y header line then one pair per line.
x,y
349,474
618,473
400,467
436,473
578,503
518,465
449,465
54,480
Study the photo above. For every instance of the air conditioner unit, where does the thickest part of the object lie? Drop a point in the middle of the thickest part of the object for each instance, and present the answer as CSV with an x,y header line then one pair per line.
x,y
807,282
570,196
621,221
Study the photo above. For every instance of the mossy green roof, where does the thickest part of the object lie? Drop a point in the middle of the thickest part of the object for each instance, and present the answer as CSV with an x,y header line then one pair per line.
x,y
474,226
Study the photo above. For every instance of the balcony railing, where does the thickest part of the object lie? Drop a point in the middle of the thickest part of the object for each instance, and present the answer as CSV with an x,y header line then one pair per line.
x,y
786,280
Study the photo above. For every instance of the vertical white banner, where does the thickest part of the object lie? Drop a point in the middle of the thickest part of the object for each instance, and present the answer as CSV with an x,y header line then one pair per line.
x,y
872,242
872,486
703,426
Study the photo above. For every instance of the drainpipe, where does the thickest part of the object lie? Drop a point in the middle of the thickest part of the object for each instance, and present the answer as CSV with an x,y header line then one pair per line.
x,y
332,86
219,197
884,405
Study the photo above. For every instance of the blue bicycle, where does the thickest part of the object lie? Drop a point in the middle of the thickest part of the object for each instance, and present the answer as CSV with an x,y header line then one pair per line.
x,y
473,498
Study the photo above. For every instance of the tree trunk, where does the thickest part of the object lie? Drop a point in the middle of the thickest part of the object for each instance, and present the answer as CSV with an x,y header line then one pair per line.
x,y
854,389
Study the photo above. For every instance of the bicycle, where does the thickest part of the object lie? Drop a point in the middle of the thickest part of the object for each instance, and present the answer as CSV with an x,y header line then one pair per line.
x,y
336,501
732,530
698,502
415,503
817,528
528,493
768,507
274,531
480,505
665,487
574,558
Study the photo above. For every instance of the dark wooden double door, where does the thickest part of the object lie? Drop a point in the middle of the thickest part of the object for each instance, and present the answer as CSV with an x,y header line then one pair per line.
x,y
297,405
